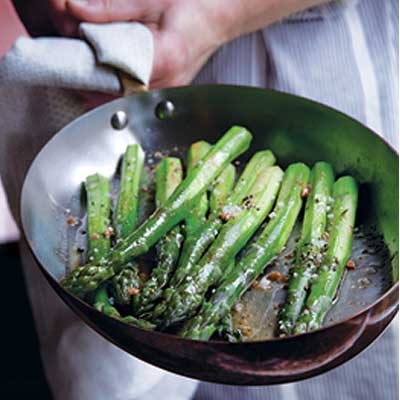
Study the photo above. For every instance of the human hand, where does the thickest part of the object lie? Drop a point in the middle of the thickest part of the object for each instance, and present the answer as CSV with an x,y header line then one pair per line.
x,y
63,21
185,32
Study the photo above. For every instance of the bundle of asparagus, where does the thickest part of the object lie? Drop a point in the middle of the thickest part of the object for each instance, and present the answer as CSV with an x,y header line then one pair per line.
x,y
88,277
203,230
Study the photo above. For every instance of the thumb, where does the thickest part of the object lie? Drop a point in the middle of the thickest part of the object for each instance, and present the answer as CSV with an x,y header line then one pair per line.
x,y
105,10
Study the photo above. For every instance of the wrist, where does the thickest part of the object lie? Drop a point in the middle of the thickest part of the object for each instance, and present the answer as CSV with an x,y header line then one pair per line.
x,y
225,19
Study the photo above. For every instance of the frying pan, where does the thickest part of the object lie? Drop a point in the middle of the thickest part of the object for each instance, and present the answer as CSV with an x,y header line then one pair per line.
x,y
295,129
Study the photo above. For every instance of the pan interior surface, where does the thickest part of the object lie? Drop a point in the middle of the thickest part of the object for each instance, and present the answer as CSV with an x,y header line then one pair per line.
x,y
295,129
256,314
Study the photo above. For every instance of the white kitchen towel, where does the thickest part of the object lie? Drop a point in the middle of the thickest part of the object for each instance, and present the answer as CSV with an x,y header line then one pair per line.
x,y
90,63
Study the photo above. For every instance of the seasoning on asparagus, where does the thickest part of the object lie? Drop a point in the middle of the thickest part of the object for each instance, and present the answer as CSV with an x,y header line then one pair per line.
x,y
232,238
226,330
195,246
98,211
255,258
340,228
102,303
98,217
126,284
311,246
98,242
196,216
222,188
168,177
87,278
126,210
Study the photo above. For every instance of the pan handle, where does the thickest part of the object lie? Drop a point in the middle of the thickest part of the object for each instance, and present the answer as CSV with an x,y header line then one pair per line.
x,y
130,85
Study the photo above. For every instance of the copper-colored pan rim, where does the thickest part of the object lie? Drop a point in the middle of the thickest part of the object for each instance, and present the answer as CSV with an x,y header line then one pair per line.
x,y
294,377
394,287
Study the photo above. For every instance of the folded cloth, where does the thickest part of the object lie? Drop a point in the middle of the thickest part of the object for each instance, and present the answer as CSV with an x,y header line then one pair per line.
x,y
94,62
126,46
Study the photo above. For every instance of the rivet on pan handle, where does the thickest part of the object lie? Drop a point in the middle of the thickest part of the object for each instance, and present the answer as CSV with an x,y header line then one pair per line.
x,y
165,109
119,120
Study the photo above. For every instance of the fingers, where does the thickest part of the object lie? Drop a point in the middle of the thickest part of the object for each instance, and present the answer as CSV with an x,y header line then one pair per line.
x,y
66,24
176,62
111,10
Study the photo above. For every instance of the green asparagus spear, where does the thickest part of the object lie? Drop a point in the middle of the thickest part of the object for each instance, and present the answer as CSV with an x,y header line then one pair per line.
x,y
102,303
222,188
98,210
226,330
256,257
232,238
127,281
311,244
138,322
261,159
98,243
340,228
98,214
220,191
87,278
168,177
195,246
196,217
126,210
126,284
